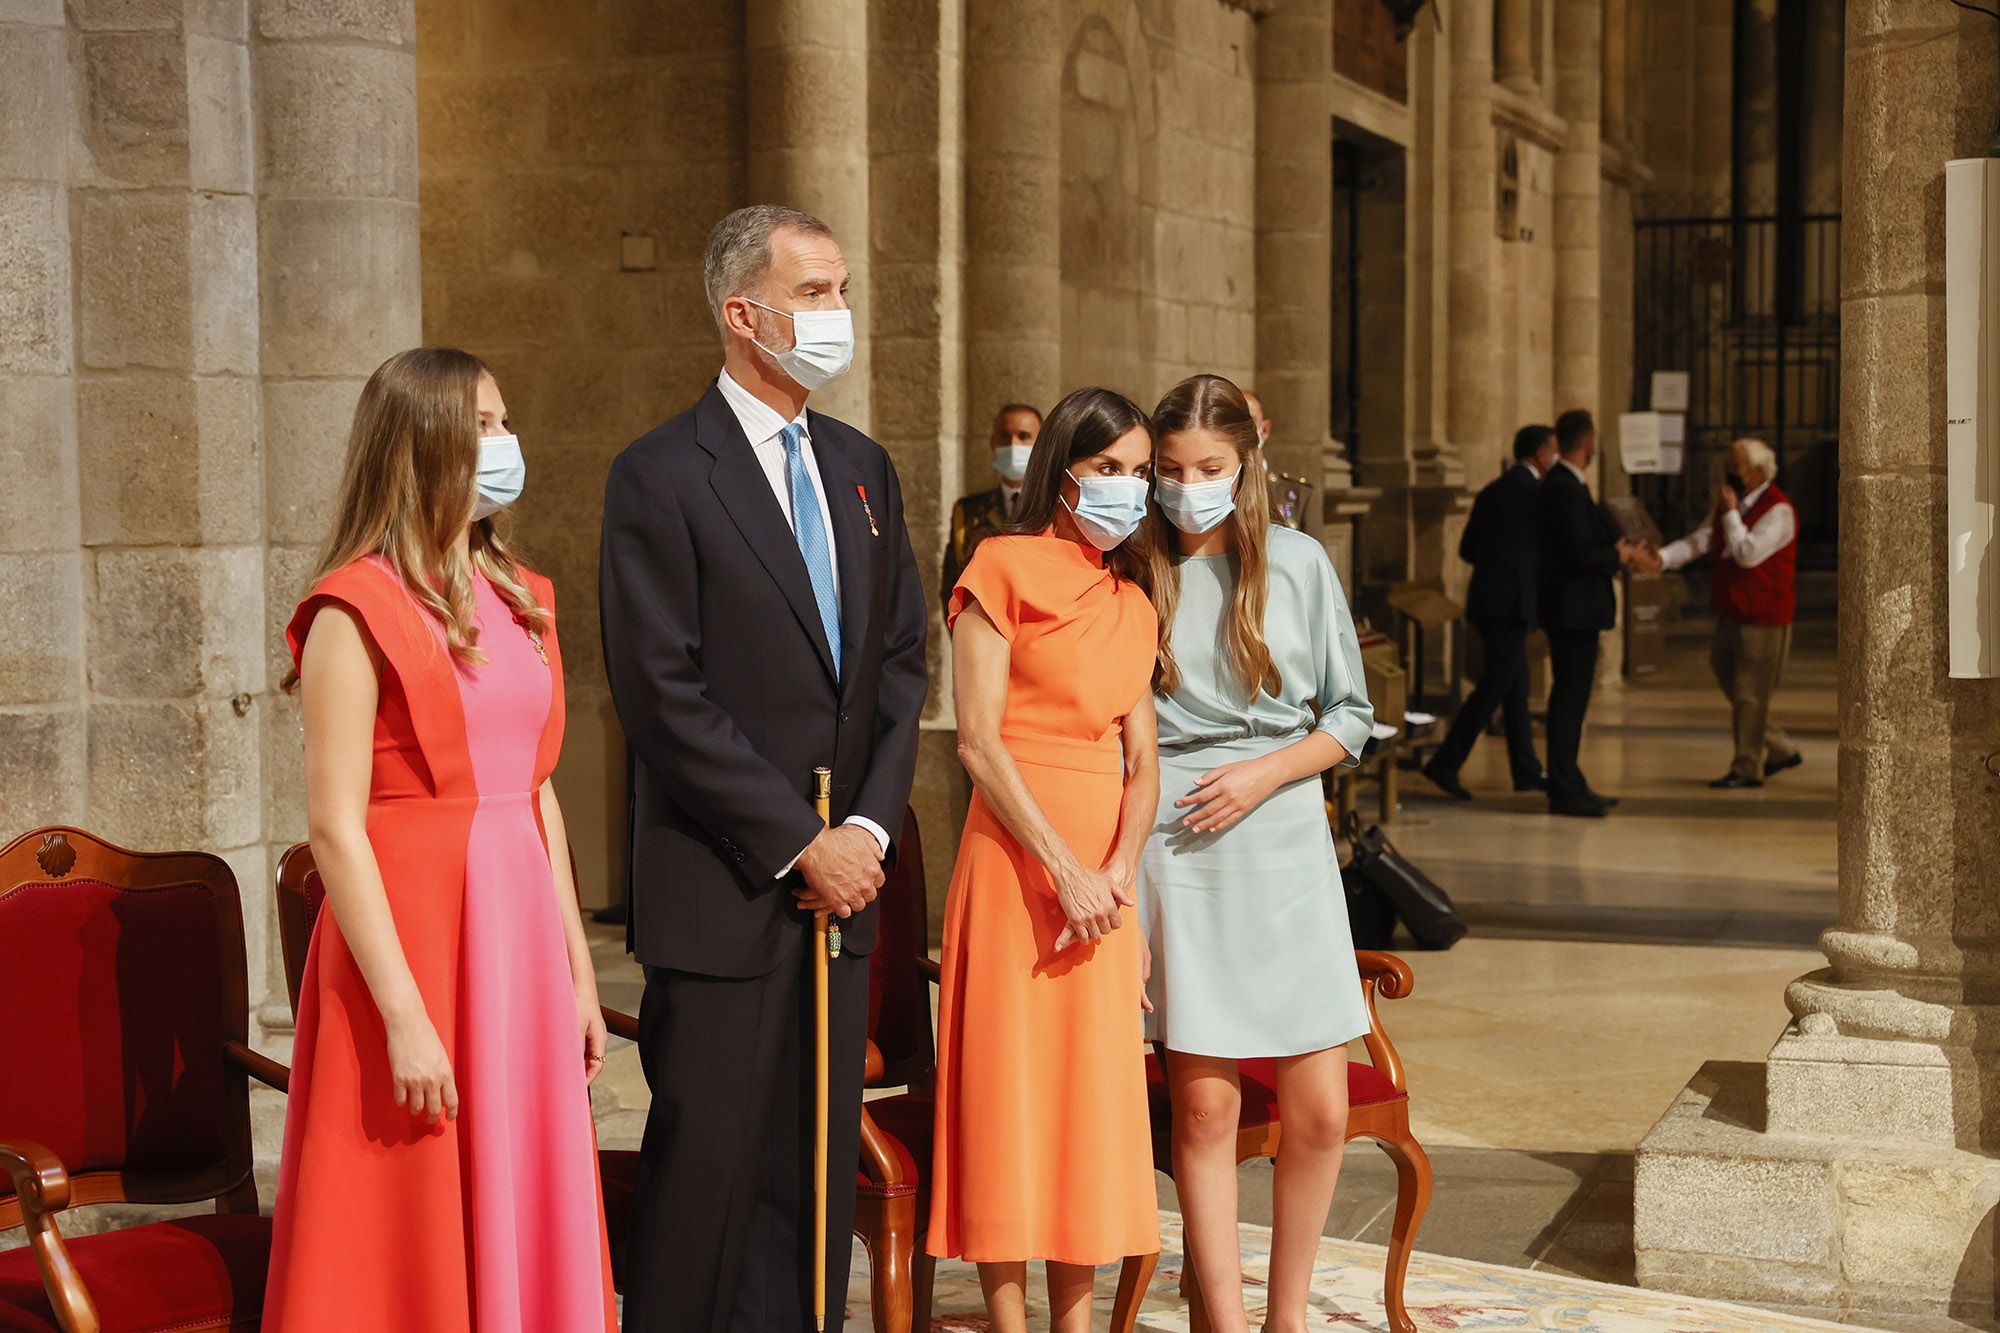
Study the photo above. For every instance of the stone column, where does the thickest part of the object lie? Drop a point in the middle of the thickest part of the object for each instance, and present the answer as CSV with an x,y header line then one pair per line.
x,y
915,184
42,691
1897,1033
1578,169
336,226
1712,133
1857,1167
1516,20
1473,406
806,65
1013,185
163,234
1294,246
1616,87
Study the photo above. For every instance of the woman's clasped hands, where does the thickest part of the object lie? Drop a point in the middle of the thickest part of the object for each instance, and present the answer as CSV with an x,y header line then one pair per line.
x,y
1091,900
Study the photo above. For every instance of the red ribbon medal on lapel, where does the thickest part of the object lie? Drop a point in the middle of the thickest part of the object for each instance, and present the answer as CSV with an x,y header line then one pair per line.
x,y
862,491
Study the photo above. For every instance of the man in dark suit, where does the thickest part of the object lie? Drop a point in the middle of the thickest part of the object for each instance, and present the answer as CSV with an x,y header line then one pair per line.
x,y
1501,541
1581,552
976,517
762,616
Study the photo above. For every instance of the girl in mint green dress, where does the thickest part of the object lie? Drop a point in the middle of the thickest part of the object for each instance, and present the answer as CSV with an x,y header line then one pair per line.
x,y
1259,691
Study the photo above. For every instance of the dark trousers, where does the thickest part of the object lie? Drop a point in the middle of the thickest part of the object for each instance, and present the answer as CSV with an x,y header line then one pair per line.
x,y
1502,687
722,1219
1572,671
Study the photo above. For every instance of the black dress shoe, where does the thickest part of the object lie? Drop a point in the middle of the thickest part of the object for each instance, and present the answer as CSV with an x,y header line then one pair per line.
x,y
1780,765
1446,782
1583,807
1608,802
1539,782
1734,781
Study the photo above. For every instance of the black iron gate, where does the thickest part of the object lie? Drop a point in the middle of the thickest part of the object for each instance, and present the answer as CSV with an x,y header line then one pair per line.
x,y
1749,309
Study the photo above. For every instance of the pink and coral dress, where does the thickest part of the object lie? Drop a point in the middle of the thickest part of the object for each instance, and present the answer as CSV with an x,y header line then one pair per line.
x,y
492,1221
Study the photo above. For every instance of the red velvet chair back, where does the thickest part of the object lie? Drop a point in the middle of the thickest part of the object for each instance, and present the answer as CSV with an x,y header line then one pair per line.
x,y
899,996
123,978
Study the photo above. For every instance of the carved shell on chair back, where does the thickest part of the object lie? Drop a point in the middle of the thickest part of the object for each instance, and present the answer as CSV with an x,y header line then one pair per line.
x,y
56,855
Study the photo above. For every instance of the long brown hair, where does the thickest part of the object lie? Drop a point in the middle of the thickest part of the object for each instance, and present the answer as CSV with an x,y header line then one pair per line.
x,y
407,490
1084,424
1213,404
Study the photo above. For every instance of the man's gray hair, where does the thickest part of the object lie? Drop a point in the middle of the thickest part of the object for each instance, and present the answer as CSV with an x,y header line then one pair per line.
x,y
1760,456
739,250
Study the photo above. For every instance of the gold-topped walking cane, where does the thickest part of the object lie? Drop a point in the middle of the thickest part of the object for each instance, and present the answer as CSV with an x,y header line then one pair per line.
x,y
826,945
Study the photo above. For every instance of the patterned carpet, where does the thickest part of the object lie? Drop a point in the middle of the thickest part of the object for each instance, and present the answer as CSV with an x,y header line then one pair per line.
x,y
1442,1293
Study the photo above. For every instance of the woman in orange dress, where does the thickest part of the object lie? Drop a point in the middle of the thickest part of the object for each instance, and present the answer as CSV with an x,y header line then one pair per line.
x,y
440,1167
1042,1147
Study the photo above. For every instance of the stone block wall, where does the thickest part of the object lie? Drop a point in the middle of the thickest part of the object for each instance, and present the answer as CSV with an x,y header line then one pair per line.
x,y
209,239
548,134
1201,305
44,713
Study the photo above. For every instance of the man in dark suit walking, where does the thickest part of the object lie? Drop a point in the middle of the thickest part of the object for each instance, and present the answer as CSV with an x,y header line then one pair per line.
x,y
1581,552
762,616
1501,541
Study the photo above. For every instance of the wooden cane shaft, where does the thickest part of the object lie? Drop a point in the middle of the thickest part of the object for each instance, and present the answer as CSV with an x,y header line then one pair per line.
x,y
823,800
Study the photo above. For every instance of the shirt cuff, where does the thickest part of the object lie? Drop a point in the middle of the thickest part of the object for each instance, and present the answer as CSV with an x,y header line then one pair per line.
x,y
860,821
875,829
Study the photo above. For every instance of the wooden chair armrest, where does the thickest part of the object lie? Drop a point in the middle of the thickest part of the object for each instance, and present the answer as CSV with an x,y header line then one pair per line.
x,y
620,1024
1388,977
257,1065
873,1065
884,1160
1391,975
42,1185
931,968
40,1180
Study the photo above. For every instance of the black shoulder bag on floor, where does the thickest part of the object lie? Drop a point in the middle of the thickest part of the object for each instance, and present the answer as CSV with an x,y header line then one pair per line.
x,y
1382,885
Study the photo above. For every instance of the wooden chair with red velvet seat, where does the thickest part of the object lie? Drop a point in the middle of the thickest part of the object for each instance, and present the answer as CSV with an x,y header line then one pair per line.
x,y
1378,1108
892,1204
300,896
126,1062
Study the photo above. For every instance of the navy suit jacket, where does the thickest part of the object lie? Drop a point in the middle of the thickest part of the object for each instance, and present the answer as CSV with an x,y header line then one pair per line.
x,y
1502,542
1579,556
727,688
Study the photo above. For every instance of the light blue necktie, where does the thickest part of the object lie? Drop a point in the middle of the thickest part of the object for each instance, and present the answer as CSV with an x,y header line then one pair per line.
x,y
810,530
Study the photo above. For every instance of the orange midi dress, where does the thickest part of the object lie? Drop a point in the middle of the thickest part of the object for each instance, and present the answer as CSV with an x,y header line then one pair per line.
x,y
1042,1146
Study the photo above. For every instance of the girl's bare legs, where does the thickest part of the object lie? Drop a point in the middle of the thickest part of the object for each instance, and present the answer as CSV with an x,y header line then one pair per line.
x,y
1206,1099
1312,1107
1069,1297
1005,1287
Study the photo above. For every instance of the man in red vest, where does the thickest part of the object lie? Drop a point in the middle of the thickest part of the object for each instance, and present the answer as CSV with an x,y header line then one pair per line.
x,y
1754,535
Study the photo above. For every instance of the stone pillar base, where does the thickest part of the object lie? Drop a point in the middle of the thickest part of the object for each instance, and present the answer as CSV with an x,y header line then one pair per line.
x,y
1726,1206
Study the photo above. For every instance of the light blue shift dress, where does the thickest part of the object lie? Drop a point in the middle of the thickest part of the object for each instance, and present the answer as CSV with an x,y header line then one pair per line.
x,y
1251,950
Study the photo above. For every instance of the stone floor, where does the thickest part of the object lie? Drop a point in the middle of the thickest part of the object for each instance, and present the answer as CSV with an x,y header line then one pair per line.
x,y
1608,959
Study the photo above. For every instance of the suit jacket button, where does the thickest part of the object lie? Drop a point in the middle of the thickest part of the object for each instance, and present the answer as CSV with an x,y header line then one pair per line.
x,y
843,715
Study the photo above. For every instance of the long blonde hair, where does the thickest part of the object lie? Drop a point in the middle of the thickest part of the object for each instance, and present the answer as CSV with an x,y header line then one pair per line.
x,y
407,489
1213,404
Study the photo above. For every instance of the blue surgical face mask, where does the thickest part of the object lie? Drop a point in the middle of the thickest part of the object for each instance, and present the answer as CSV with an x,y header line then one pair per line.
x,y
822,345
1108,509
1011,462
501,475
1196,507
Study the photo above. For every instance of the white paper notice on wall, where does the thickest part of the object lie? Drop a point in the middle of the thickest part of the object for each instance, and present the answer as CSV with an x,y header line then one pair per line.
x,y
1670,391
1673,441
1639,441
